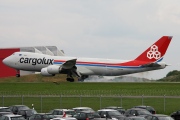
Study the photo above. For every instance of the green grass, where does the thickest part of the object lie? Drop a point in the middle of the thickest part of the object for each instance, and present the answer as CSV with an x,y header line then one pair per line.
x,y
79,88
94,95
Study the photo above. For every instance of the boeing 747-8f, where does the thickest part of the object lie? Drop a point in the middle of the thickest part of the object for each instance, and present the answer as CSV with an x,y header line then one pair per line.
x,y
48,65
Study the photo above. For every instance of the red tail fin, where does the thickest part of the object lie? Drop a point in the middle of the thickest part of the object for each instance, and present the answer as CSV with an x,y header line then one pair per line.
x,y
156,51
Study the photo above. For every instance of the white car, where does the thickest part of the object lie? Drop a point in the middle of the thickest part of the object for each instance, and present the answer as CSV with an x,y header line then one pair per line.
x,y
110,114
12,117
5,109
78,109
62,112
64,118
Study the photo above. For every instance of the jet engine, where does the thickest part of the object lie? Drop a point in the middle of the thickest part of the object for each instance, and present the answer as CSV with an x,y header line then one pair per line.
x,y
54,69
44,72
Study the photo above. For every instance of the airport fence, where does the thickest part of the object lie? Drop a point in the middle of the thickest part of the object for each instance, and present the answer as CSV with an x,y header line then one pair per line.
x,y
44,103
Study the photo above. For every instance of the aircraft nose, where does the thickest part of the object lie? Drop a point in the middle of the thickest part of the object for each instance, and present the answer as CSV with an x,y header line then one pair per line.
x,y
6,61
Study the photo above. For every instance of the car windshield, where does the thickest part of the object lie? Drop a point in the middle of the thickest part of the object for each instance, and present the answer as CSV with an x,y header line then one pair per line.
x,y
23,108
17,118
87,109
114,113
165,118
138,119
144,112
70,112
96,115
149,108
30,112
5,110
58,113
90,115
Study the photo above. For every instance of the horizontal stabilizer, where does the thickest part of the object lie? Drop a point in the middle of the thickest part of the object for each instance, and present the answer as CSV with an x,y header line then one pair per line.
x,y
160,64
151,65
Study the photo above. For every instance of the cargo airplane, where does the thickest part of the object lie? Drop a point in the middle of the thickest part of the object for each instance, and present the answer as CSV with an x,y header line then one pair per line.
x,y
48,65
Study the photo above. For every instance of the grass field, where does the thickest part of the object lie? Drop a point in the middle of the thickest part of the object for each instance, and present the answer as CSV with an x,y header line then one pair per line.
x,y
48,95
82,88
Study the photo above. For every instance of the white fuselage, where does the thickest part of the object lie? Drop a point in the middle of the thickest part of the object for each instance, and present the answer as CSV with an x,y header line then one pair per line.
x,y
86,66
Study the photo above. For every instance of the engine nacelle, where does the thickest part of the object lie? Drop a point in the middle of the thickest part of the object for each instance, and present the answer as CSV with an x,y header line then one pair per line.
x,y
44,72
53,69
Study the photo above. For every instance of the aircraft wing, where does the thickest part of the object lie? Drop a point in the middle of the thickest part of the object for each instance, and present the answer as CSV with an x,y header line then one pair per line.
x,y
69,64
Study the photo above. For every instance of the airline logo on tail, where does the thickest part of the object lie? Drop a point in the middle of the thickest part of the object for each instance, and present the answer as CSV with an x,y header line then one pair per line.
x,y
156,51
153,53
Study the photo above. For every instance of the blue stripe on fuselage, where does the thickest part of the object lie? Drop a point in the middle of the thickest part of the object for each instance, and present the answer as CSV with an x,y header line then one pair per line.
x,y
159,60
100,65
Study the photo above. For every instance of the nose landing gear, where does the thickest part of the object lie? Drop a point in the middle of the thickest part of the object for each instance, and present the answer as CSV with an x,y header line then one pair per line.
x,y
17,73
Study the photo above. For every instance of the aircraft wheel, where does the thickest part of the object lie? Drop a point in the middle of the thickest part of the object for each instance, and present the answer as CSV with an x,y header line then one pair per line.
x,y
17,75
81,79
70,79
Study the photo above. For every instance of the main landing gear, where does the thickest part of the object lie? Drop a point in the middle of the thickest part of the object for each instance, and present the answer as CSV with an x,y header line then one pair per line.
x,y
70,79
17,73
81,79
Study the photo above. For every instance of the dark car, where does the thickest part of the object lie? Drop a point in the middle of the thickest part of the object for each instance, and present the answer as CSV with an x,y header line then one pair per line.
x,y
149,108
158,117
5,109
120,109
27,113
41,116
110,114
135,118
15,108
86,115
136,112
176,115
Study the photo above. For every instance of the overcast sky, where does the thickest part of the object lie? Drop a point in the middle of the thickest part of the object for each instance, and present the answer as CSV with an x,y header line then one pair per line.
x,y
117,29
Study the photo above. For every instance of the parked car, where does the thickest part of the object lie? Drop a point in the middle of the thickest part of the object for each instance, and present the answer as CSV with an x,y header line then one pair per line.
x,y
149,108
65,118
5,109
110,114
41,116
27,113
15,108
86,115
176,115
62,112
158,117
69,112
135,118
12,117
78,109
120,109
6,113
136,112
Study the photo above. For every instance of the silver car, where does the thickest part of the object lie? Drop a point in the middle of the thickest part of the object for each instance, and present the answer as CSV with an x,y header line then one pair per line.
x,y
12,117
